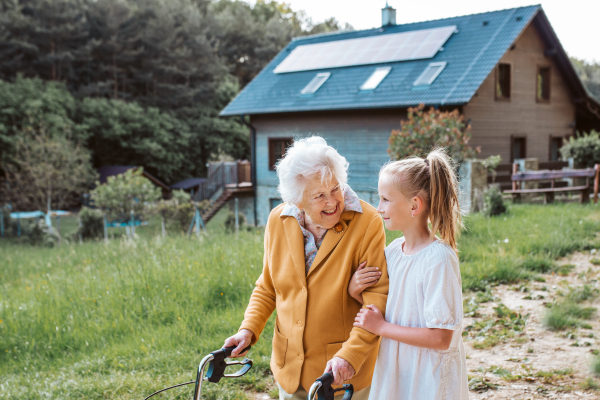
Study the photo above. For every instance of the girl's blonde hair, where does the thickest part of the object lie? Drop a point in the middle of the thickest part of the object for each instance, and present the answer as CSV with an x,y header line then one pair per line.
x,y
434,181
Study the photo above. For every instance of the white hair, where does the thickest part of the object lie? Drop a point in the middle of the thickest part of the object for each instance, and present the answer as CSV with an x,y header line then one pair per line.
x,y
304,159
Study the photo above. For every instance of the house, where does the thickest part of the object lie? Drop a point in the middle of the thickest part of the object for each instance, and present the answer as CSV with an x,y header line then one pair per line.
x,y
505,71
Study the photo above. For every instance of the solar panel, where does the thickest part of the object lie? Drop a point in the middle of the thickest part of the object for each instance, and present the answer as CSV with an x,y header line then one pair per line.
x,y
316,83
375,79
430,73
413,45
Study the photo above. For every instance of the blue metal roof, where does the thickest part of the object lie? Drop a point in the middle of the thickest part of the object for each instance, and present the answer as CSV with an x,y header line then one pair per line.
x,y
471,54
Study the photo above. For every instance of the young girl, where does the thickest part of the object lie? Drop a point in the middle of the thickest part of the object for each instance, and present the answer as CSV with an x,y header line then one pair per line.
x,y
421,354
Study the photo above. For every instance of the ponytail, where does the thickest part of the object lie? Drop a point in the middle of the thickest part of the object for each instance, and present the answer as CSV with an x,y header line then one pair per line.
x,y
433,180
444,211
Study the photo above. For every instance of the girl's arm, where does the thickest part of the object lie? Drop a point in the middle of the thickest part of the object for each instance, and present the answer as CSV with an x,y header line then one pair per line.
x,y
362,279
370,319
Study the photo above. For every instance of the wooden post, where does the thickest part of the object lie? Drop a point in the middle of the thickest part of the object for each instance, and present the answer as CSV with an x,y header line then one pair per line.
x,y
105,228
596,182
237,216
132,230
516,197
1,222
18,225
164,232
58,228
79,223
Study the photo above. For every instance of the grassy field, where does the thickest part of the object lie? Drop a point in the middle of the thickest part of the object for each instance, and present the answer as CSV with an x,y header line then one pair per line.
x,y
120,320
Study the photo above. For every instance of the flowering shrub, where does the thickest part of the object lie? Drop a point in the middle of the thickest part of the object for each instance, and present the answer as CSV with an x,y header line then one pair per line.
x,y
425,130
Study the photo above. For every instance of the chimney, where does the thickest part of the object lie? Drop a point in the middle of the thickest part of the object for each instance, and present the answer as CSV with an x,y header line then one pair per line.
x,y
388,15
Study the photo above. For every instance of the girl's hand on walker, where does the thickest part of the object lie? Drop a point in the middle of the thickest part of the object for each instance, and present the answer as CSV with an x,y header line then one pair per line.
x,y
370,319
362,279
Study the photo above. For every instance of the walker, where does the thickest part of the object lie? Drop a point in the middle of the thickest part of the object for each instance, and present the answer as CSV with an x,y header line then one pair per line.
x,y
216,370
322,388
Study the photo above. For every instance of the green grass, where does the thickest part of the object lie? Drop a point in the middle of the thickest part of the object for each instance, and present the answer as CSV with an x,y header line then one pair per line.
x,y
596,366
537,235
120,320
568,312
84,317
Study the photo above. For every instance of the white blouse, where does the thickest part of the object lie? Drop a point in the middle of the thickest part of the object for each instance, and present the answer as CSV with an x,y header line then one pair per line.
x,y
425,292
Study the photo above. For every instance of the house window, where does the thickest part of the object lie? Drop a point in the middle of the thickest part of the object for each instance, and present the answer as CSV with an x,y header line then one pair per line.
x,y
277,148
430,73
316,83
275,202
503,82
375,79
518,148
543,84
555,145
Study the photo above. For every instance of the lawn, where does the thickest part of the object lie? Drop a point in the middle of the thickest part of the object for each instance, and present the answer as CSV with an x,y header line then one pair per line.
x,y
120,320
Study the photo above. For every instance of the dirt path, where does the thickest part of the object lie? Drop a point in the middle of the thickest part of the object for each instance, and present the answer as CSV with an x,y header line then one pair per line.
x,y
537,359
529,361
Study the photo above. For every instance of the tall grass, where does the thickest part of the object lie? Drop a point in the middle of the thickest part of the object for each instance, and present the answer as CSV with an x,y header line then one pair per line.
x,y
154,307
120,320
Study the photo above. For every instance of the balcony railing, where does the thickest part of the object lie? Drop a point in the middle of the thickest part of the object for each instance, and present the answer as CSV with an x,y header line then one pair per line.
x,y
222,175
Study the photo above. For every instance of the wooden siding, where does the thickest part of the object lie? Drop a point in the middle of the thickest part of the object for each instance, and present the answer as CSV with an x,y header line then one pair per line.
x,y
494,122
360,136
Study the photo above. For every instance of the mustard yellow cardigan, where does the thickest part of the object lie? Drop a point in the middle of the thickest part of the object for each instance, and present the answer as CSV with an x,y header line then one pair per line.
x,y
315,313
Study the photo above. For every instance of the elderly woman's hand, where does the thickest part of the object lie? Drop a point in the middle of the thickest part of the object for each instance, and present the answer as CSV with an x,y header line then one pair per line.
x,y
340,369
362,279
241,340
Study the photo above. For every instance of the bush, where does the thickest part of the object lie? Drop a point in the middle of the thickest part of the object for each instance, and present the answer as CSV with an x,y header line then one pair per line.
x,y
230,221
34,232
92,224
492,202
583,148
125,193
41,234
426,130
491,163
177,211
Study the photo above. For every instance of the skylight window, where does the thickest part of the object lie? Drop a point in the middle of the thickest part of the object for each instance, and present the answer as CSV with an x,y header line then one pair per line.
x,y
375,79
316,83
430,73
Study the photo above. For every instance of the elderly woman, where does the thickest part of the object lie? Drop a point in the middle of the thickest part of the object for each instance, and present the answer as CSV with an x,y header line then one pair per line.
x,y
313,245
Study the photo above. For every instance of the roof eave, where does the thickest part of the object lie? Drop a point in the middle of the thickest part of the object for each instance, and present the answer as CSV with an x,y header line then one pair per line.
x,y
291,111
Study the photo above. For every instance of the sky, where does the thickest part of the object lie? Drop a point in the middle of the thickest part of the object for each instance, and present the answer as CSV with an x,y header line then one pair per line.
x,y
574,21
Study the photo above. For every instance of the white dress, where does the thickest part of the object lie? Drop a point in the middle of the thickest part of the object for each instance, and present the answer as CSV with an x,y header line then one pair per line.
x,y
425,292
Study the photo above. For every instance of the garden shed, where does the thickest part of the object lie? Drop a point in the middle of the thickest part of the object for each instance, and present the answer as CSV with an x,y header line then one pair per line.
x,y
107,171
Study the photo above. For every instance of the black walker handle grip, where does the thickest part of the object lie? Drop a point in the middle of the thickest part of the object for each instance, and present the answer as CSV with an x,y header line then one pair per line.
x,y
216,367
326,392
229,350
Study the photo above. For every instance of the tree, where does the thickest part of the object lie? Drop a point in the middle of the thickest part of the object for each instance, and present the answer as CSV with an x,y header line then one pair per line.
x,y
125,194
28,104
125,133
424,130
589,73
47,171
174,63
